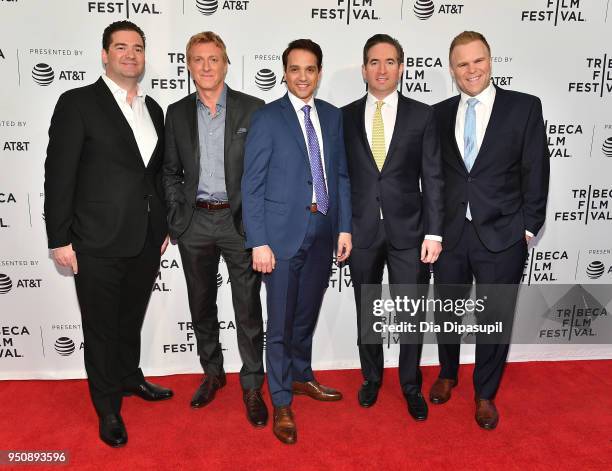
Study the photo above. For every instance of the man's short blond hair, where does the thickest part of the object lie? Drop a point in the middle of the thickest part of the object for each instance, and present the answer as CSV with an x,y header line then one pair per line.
x,y
465,38
207,37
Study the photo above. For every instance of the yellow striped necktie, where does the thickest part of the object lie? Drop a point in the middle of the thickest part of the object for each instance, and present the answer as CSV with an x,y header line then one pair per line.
x,y
378,137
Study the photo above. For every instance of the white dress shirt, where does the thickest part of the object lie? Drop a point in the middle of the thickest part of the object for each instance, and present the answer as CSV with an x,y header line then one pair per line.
x,y
389,112
298,104
138,117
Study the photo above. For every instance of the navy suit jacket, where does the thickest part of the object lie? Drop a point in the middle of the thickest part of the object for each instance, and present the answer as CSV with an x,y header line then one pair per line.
x,y
410,185
507,187
277,181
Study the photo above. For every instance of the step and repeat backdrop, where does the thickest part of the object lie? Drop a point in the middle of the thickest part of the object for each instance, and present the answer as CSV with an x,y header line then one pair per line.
x,y
559,50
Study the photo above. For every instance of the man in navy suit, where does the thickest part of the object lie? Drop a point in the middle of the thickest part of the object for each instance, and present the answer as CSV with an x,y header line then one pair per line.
x,y
397,203
496,170
296,205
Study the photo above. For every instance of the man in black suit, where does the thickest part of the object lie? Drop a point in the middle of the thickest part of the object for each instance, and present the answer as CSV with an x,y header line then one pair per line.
x,y
396,188
205,135
105,217
496,170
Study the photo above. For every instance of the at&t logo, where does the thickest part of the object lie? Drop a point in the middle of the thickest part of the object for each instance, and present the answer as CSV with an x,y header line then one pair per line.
x,y
424,9
64,346
265,79
607,147
43,75
209,7
5,284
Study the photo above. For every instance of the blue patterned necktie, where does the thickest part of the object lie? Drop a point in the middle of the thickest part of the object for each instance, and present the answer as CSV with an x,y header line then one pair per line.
x,y
470,149
316,167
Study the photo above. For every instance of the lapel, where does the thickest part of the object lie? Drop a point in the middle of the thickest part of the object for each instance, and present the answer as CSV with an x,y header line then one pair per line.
x,y
191,118
109,105
450,132
232,109
159,126
499,107
360,109
401,118
291,119
327,153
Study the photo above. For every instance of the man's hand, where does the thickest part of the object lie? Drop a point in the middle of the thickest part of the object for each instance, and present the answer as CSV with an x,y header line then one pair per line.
x,y
430,251
528,238
345,245
263,259
66,257
164,245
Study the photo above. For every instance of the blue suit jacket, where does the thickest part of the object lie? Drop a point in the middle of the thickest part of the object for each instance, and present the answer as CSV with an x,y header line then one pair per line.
x,y
277,181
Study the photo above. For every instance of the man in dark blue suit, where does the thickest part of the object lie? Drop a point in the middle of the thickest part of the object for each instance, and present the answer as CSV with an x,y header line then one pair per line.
x,y
296,205
496,170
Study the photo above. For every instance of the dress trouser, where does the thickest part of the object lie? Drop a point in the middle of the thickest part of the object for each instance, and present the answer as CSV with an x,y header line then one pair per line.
x,y
212,233
113,296
469,260
405,268
295,291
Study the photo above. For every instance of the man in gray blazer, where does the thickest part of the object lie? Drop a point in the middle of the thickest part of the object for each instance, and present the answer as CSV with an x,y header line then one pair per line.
x,y
203,165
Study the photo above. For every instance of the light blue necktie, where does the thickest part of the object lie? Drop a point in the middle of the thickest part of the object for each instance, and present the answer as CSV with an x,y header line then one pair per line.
x,y
470,147
316,167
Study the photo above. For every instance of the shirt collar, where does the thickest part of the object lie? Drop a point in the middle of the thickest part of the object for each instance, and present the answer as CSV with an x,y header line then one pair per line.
x,y
221,103
298,103
486,97
117,90
390,100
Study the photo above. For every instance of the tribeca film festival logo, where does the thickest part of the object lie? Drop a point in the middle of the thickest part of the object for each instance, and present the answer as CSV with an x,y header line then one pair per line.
x,y
124,8
591,204
8,336
164,265
209,7
186,328
424,9
560,136
545,266
181,79
340,277
6,198
415,78
347,11
555,11
601,77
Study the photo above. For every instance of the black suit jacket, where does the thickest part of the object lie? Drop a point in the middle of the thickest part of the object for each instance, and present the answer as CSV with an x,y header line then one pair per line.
x,y
507,187
182,157
410,210
99,195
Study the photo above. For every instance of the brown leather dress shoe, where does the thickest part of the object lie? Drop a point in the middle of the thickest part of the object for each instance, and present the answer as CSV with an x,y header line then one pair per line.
x,y
441,390
284,425
316,391
487,416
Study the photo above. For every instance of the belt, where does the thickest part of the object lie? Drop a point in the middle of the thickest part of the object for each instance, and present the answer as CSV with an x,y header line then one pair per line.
x,y
212,205
313,207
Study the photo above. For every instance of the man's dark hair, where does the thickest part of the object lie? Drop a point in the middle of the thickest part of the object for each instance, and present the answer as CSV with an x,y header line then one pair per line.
x,y
122,25
307,45
380,39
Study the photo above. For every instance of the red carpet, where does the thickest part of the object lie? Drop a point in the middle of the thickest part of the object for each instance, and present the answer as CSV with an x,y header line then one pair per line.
x,y
554,415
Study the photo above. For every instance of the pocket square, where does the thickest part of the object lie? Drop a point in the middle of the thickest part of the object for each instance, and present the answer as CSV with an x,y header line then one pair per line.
x,y
241,130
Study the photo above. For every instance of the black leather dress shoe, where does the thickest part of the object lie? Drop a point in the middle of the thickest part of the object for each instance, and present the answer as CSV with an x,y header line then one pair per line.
x,y
148,391
368,393
207,390
417,407
256,409
112,430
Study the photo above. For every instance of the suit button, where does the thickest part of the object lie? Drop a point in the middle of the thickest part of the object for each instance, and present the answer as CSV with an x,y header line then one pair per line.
x,y
470,179
309,182
307,208
377,198
379,178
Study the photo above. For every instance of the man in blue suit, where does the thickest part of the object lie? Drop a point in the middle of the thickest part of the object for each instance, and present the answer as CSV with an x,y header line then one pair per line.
x,y
296,205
